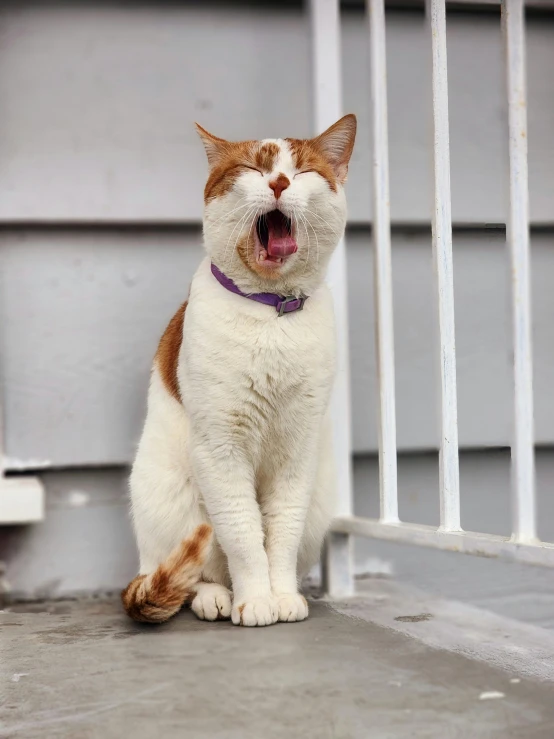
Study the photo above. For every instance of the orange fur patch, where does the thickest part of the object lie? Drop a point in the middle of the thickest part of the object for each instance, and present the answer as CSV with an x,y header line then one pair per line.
x,y
230,164
167,356
155,598
245,247
266,156
232,161
306,157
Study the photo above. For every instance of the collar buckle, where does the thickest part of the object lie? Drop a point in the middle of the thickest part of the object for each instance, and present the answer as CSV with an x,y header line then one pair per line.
x,y
290,305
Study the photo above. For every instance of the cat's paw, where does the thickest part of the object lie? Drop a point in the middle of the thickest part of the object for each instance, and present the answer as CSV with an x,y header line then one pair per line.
x,y
212,602
256,612
292,607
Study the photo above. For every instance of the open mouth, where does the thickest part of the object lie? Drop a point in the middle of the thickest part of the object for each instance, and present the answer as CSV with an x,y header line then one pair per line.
x,y
276,242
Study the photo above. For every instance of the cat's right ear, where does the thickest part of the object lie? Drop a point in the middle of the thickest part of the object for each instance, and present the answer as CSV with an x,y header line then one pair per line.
x,y
215,147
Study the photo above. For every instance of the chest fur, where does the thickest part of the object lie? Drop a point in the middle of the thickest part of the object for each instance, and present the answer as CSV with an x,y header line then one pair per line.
x,y
241,363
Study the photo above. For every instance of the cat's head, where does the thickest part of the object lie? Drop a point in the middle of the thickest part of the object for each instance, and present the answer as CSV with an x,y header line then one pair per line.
x,y
275,209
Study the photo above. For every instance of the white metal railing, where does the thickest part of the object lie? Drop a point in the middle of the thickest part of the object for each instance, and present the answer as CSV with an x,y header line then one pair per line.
x,y
384,335
523,545
524,523
442,250
325,18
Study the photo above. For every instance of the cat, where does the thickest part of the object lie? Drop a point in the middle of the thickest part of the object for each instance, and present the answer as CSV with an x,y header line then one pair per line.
x,y
232,487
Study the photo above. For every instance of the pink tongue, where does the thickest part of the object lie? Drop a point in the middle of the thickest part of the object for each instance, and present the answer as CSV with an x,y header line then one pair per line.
x,y
280,246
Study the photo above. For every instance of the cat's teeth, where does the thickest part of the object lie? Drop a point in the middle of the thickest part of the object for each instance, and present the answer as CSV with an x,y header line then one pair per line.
x,y
261,258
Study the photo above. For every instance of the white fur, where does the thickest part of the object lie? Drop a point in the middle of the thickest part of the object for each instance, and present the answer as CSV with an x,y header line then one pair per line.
x,y
249,449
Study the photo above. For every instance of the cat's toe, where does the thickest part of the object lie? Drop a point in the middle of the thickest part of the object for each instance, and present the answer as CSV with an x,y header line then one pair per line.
x,y
256,612
292,607
212,602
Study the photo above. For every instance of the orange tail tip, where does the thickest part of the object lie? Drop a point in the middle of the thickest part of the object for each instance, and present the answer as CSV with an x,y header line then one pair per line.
x,y
155,598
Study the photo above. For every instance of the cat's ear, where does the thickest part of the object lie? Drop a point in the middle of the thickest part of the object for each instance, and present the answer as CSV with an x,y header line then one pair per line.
x,y
336,144
214,146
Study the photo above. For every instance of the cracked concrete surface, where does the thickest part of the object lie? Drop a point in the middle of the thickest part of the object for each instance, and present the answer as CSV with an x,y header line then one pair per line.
x,y
82,670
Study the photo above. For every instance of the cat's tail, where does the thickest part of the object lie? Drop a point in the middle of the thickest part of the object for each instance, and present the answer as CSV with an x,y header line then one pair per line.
x,y
156,597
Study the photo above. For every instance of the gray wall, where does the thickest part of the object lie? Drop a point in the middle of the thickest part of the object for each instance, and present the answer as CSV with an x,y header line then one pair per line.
x,y
82,311
99,100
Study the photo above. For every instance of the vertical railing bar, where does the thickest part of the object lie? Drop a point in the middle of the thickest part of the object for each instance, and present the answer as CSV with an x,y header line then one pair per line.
x,y
325,23
523,462
442,250
384,338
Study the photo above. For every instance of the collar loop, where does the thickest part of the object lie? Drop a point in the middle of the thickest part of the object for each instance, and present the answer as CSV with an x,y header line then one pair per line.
x,y
282,304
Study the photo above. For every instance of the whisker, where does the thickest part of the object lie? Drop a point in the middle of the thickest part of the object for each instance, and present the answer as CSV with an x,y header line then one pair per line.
x,y
311,212
307,260
242,220
316,239
294,219
230,213
250,229
308,239
248,233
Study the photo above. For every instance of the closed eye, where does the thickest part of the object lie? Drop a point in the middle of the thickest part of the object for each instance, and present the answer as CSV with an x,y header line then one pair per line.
x,y
304,171
247,166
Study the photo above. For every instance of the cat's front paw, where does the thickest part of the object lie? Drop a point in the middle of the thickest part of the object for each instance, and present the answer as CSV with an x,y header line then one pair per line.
x,y
292,607
212,602
255,612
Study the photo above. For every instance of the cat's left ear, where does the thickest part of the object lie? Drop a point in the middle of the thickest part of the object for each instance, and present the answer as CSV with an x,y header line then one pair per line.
x,y
336,144
215,147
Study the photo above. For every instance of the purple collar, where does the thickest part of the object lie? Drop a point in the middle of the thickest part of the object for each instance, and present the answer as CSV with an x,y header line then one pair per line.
x,y
282,305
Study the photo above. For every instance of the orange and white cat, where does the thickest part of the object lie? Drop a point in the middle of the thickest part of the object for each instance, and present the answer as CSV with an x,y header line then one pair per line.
x,y
232,488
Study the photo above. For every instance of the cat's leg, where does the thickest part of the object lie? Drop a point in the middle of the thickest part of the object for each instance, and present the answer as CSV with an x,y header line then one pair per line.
x,y
297,512
212,598
284,507
226,479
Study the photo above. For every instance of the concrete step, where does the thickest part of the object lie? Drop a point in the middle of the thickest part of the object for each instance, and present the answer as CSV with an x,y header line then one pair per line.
x,y
389,664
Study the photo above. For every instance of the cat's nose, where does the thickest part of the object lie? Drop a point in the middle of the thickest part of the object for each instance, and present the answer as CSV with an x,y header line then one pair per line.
x,y
279,184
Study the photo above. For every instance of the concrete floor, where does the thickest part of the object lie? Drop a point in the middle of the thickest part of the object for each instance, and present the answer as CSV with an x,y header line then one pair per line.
x,y
82,670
